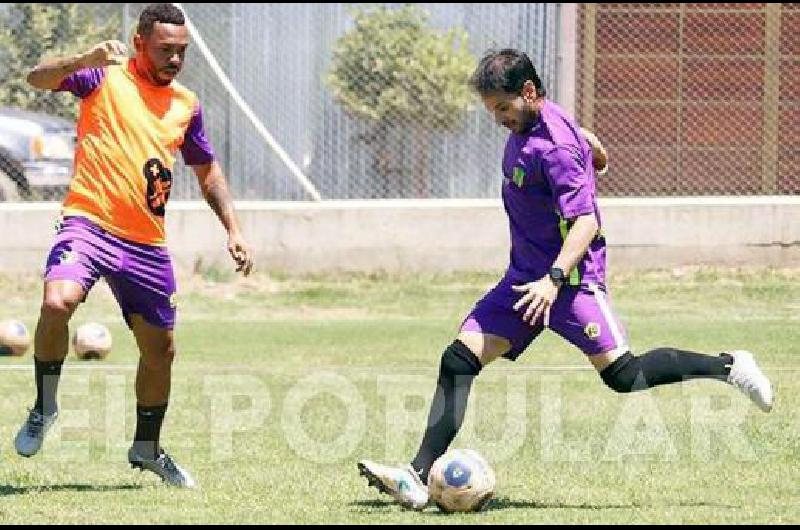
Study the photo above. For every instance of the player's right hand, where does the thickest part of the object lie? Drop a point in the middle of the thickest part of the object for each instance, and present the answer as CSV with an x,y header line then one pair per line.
x,y
110,52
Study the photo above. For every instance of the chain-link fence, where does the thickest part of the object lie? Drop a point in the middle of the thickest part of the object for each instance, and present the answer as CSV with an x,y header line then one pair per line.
x,y
693,99
369,101
414,139
394,120
37,130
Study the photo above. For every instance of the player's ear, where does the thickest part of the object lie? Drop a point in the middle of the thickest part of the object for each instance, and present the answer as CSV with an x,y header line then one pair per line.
x,y
138,42
529,92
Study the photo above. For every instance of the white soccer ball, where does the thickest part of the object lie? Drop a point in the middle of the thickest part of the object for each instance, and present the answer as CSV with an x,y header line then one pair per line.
x,y
461,481
14,338
92,341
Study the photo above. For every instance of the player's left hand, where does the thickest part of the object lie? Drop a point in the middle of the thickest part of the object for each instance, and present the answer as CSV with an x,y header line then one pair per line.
x,y
539,296
240,252
599,153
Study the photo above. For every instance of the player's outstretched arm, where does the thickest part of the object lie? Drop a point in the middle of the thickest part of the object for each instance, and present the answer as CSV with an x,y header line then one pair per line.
x,y
215,190
49,73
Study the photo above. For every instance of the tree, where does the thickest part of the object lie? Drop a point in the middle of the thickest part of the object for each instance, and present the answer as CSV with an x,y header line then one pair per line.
x,y
407,82
29,32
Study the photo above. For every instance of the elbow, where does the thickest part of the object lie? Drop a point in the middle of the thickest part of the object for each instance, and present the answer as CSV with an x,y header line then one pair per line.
x,y
596,231
40,79
35,80
595,225
590,223
31,78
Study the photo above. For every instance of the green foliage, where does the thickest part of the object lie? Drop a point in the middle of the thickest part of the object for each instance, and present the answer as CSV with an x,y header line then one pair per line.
x,y
30,32
390,66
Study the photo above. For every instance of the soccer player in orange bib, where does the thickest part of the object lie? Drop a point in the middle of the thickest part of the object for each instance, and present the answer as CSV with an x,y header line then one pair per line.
x,y
134,118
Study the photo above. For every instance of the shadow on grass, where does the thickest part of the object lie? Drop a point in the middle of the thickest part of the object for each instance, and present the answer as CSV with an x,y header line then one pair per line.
x,y
505,503
6,490
373,503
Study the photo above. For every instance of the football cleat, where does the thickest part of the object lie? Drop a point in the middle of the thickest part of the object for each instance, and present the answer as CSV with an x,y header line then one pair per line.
x,y
748,377
402,483
163,466
31,435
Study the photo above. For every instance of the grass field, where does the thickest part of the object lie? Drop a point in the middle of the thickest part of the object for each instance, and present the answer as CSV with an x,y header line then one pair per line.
x,y
283,383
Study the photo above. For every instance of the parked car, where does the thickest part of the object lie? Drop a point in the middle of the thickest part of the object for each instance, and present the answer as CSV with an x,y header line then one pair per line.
x,y
36,155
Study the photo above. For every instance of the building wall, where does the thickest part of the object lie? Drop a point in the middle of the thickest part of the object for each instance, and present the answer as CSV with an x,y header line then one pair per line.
x,y
693,99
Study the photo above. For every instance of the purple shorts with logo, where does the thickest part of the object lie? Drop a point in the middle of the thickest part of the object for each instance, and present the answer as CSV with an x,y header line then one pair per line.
x,y
140,276
580,314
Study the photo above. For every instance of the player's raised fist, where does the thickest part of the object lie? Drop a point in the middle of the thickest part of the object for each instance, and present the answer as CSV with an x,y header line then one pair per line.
x,y
106,53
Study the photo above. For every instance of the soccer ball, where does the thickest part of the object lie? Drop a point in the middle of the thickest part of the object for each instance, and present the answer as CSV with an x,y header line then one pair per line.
x,y
14,338
461,481
92,341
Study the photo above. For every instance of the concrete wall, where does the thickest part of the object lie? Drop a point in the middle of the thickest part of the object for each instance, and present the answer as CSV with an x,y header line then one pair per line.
x,y
446,234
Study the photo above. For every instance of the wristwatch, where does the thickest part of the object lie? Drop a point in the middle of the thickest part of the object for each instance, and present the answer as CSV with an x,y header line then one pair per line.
x,y
557,275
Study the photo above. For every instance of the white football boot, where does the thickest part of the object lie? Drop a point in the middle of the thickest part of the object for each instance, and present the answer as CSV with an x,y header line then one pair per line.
x,y
748,377
402,483
31,435
163,466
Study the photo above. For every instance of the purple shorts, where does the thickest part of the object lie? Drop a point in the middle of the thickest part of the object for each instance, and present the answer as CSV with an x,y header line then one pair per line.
x,y
582,315
140,276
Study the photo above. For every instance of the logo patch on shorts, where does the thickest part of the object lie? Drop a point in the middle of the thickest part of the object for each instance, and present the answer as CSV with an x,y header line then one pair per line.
x,y
592,330
518,176
173,300
68,257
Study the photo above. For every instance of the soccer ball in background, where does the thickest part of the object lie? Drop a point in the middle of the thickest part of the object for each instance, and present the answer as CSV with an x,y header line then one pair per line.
x,y
14,338
92,341
461,481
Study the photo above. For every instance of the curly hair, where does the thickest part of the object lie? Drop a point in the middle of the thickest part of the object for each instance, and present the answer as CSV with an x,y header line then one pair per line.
x,y
164,13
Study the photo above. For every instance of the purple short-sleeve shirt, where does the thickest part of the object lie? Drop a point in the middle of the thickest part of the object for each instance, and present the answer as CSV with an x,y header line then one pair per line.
x,y
550,180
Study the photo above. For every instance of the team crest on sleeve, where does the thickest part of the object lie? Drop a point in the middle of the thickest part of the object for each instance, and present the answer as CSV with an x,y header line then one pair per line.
x,y
173,300
518,176
592,330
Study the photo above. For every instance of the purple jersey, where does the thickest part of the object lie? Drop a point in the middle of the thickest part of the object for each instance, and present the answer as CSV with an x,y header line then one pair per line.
x,y
196,148
550,180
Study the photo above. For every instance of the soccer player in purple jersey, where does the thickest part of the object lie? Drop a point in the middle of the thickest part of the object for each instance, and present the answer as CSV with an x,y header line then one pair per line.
x,y
556,277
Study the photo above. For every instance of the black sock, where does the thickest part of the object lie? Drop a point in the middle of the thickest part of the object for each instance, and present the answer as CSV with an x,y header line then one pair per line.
x,y
663,366
148,429
48,374
458,368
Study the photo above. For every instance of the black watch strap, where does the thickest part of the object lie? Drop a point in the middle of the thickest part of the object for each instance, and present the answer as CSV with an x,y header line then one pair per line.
x,y
557,275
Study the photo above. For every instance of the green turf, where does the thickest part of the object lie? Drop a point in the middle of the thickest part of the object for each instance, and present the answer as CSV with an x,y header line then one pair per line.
x,y
316,354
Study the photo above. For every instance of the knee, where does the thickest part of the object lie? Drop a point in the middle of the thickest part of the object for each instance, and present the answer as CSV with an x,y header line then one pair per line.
x,y
459,360
56,307
159,359
623,375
